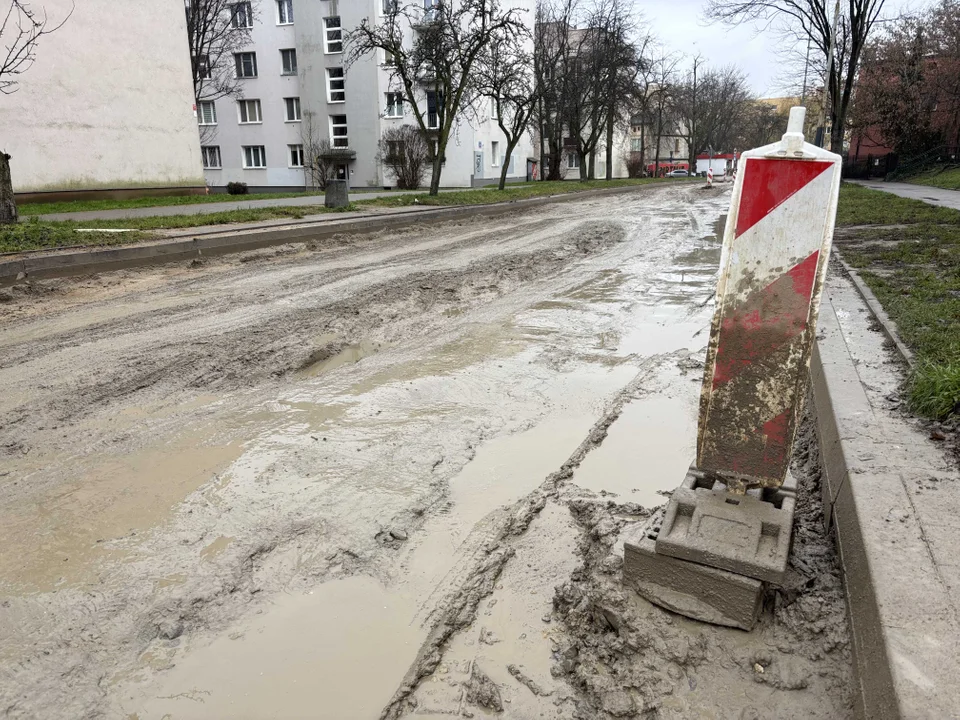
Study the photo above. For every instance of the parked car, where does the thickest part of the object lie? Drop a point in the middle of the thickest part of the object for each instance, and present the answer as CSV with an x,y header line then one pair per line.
x,y
678,173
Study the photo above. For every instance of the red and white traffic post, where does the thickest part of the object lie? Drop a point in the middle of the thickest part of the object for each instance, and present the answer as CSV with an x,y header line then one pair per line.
x,y
727,528
710,176
772,266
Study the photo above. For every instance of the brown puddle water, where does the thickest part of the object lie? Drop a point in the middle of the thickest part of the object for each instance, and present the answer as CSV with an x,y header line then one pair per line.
x,y
336,653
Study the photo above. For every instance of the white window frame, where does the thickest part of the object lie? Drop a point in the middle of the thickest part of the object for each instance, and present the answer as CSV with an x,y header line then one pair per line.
x,y
387,57
206,152
387,5
394,110
573,160
248,16
291,149
332,36
213,112
495,153
238,63
243,108
294,103
634,144
341,91
258,150
436,107
493,108
284,12
336,139
283,56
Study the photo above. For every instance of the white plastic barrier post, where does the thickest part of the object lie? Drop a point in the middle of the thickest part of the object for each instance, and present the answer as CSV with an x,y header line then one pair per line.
x,y
772,266
709,177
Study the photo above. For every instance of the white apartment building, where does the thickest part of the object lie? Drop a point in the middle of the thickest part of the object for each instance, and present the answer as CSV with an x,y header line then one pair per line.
x,y
295,85
106,108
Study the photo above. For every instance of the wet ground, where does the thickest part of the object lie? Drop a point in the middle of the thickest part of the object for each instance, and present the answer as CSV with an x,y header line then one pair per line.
x,y
379,476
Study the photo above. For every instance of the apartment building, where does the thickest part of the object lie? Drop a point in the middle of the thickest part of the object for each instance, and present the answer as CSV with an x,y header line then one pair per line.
x,y
106,108
297,89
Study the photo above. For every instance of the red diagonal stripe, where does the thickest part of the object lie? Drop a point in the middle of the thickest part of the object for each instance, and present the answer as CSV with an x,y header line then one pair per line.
x,y
768,182
765,321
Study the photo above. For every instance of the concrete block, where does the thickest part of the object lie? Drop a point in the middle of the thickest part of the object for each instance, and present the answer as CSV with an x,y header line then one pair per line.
x,y
696,591
336,195
745,534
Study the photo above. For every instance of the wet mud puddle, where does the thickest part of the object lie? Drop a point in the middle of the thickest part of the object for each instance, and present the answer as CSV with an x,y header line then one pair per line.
x,y
383,470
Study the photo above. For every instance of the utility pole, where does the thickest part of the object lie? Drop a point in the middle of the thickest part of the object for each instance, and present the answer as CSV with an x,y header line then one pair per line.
x,y
822,127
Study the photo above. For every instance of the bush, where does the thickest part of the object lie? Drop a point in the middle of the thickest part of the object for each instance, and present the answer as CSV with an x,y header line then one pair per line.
x,y
404,152
237,188
634,163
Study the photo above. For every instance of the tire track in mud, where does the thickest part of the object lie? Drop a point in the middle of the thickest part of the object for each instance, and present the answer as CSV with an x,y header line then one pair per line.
x,y
511,522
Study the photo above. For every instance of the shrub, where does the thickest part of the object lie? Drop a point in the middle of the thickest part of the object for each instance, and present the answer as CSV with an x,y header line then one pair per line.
x,y
404,151
237,188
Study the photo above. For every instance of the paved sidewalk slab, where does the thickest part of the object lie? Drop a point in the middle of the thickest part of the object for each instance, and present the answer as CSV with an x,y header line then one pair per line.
x,y
894,497
931,195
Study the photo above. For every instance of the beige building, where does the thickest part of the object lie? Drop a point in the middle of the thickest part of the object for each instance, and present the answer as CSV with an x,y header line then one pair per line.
x,y
108,103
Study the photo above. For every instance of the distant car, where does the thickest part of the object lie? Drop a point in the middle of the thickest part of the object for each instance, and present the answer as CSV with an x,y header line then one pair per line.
x,y
678,173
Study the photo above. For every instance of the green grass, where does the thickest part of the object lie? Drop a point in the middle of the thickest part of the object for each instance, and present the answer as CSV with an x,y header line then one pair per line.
x,y
27,209
862,206
35,234
947,179
915,274
485,196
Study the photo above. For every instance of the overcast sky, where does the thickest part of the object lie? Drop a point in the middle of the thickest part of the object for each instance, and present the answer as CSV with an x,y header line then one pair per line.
x,y
680,27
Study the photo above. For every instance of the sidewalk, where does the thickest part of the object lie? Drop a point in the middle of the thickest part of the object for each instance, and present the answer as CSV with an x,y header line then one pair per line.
x,y
931,195
210,208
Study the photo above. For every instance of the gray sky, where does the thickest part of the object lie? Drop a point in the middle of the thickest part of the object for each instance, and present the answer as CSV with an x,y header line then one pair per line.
x,y
680,27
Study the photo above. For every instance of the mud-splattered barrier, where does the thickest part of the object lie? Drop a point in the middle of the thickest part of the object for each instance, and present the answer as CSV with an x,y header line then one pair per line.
x,y
217,242
896,540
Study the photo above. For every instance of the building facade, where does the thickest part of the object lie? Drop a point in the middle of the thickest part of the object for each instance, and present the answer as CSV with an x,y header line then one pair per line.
x,y
297,91
89,116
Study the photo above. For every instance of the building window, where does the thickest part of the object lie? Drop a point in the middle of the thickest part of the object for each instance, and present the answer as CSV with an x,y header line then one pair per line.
x,y
246,64
389,6
254,156
394,104
207,112
284,12
335,85
333,35
676,146
493,108
338,130
296,155
433,109
573,161
203,67
634,144
389,59
241,15
250,111
495,153
288,58
291,109
513,166
211,157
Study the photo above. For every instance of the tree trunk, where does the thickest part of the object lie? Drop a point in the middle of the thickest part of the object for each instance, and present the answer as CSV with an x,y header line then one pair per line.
x,y
592,165
609,152
584,175
8,205
643,147
511,146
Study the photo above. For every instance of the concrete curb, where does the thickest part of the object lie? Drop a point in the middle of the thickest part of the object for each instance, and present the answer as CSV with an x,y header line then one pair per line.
x,y
903,625
213,242
888,326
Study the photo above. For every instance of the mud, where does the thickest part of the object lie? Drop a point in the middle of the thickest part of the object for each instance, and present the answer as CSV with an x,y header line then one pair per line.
x,y
342,469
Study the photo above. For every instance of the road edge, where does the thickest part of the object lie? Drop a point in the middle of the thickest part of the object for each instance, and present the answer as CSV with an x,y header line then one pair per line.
x,y
207,242
899,612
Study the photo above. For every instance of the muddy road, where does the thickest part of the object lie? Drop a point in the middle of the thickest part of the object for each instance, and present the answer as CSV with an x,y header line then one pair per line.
x,y
381,476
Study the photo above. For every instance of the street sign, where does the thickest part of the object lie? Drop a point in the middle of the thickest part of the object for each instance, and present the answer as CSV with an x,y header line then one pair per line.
x,y
772,266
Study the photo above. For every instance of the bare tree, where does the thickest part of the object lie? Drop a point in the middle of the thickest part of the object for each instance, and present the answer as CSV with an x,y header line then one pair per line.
x,y
662,100
712,107
839,42
20,35
551,57
405,152
436,68
321,160
506,76
216,31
